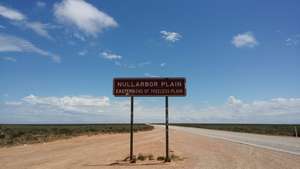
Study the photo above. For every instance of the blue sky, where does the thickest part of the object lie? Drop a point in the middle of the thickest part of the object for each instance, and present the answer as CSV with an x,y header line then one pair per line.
x,y
240,58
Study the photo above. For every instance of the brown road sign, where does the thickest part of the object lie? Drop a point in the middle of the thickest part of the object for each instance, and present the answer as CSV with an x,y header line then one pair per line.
x,y
149,86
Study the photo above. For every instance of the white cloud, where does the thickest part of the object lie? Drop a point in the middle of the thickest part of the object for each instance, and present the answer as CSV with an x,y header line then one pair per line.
x,y
131,65
39,28
22,21
65,109
272,107
163,64
40,4
117,63
11,14
82,53
292,41
78,36
171,36
84,16
8,58
233,101
142,64
150,75
244,40
10,43
12,103
70,103
111,56
89,108
276,110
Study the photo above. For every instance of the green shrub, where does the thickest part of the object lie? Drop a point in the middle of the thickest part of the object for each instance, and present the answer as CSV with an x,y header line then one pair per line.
x,y
150,157
160,158
141,157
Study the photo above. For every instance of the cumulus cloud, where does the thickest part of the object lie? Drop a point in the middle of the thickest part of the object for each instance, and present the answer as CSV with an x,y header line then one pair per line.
x,y
89,108
84,16
170,36
67,109
276,110
10,43
244,40
8,58
70,103
111,56
11,14
233,101
64,109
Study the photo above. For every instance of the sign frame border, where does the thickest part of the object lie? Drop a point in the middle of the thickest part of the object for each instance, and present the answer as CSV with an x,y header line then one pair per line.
x,y
157,78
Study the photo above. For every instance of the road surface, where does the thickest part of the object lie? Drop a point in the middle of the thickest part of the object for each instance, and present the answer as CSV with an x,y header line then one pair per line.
x,y
278,143
105,150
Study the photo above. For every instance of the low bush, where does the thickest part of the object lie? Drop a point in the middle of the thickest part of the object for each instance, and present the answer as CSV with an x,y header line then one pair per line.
x,y
27,134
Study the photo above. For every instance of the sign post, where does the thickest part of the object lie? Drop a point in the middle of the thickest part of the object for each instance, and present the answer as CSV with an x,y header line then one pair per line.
x,y
149,87
131,129
167,130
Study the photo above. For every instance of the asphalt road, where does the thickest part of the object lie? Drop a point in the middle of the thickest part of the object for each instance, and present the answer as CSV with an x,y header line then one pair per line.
x,y
278,143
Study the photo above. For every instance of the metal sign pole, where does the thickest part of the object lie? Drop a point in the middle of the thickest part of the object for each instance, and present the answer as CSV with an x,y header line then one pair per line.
x,y
131,129
167,130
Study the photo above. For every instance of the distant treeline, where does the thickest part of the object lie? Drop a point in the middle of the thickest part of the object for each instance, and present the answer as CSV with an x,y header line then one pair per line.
x,y
269,129
14,134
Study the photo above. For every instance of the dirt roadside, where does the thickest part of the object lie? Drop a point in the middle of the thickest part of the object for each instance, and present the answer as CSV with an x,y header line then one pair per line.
x,y
100,151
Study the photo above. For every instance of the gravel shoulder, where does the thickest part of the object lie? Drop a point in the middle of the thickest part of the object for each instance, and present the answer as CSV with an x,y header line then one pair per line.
x,y
100,151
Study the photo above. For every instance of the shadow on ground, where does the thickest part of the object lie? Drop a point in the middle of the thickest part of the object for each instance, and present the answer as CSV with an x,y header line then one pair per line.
x,y
127,164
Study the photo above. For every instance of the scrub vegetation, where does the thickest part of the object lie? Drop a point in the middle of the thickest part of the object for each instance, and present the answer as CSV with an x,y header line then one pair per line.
x,y
15,134
269,129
